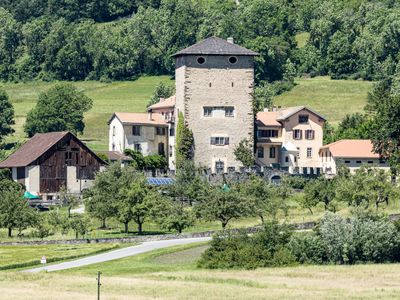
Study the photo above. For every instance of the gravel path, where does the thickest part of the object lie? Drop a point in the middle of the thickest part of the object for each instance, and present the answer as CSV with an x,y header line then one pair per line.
x,y
116,254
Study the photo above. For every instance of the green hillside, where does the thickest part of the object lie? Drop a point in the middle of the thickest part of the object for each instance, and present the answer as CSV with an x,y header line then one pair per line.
x,y
331,98
123,96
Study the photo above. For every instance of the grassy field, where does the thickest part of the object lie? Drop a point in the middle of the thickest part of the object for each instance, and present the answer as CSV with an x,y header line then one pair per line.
x,y
331,98
21,256
122,96
172,274
296,214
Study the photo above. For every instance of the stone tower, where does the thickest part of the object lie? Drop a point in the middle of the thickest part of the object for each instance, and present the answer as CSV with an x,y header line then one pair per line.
x,y
214,87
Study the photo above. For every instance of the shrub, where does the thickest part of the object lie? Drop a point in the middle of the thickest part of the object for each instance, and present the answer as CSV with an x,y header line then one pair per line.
x,y
265,248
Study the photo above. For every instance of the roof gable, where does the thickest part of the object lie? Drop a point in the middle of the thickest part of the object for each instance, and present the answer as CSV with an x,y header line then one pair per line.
x,y
215,46
139,118
352,149
37,146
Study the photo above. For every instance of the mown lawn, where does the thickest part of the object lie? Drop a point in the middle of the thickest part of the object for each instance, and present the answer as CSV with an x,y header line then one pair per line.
x,y
331,98
124,96
22,256
172,274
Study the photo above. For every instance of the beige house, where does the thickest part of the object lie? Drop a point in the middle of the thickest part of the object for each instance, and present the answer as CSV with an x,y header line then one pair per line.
x,y
144,132
351,153
290,138
214,87
166,107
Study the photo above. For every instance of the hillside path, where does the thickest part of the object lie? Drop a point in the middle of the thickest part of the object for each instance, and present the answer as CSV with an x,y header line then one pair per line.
x,y
117,254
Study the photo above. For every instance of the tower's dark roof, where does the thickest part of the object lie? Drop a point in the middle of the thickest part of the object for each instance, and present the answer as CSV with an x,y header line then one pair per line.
x,y
215,46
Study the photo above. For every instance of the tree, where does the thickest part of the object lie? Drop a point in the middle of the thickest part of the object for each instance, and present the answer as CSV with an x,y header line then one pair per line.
x,y
14,210
265,196
320,190
244,153
68,199
10,40
6,115
384,104
184,142
58,109
162,90
99,199
80,224
135,201
223,206
173,214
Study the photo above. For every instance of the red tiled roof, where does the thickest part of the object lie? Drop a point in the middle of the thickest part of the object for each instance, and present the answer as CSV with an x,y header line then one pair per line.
x,y
166,103
352,148
32,149
272,118
140,118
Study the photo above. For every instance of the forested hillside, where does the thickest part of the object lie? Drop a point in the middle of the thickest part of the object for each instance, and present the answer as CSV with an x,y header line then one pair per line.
x,y
123,39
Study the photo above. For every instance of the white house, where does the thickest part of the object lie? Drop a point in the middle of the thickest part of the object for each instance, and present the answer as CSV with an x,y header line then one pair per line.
x,y
351,153
144,132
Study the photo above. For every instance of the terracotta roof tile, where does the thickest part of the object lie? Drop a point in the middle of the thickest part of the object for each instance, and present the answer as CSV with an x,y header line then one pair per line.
x,y
268,118
140,118
167,103
352,148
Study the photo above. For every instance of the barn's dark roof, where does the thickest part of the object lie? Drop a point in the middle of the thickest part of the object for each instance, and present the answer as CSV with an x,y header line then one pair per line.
x,y
215,46
35,147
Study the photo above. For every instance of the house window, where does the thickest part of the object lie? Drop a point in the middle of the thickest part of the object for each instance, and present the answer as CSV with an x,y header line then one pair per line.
x,y
346,161
229,112
21,173
272,152
269,133
358,161
233,60
138,147
201,60
113,147
370,162
310,134
219,141
172,131
170,150
161,131
287,159
161,149
298,152
219,166
309,152
303,119
208,111
113,131
298,134
260,152
136,130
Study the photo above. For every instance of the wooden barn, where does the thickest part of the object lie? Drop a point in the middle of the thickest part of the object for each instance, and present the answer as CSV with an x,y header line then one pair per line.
x,y
49,161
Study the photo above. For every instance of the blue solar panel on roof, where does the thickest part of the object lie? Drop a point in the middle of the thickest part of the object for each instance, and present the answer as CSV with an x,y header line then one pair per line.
x,y
160,181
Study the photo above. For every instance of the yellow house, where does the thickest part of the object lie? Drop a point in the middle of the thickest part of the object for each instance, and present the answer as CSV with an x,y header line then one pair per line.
x,y
290,138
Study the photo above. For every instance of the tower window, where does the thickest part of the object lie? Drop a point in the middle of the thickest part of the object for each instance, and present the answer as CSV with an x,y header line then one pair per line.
x,y
233,60
201,60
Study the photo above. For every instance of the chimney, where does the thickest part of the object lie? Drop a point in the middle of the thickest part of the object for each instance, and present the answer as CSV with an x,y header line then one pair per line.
x,y
230,40
162,99
150,114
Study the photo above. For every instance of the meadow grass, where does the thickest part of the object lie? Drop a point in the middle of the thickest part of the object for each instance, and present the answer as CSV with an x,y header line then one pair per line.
x,y
333,99
120,96
22,256
171,273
